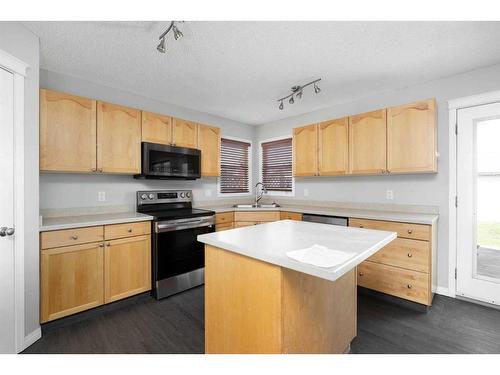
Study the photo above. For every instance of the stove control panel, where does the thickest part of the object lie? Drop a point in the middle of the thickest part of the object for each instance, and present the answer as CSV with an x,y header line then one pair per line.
x,y
163,196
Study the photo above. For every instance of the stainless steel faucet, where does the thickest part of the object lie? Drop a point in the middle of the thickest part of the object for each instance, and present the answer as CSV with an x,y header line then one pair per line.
x,y
258,196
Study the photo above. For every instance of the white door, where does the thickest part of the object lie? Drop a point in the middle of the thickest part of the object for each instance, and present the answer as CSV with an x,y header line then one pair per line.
x,y
478,210
7,297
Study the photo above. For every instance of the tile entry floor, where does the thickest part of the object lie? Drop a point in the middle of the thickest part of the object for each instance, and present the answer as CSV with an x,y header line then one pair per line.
x,y
175,325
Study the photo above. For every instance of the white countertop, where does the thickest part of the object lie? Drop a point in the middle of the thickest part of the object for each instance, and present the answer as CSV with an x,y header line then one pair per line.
x,y
68,222
271,241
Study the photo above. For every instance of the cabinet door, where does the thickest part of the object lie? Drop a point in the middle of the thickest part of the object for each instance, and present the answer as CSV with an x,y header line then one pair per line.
x,y
411,138
118,139
333,147
71,280
156,128
305,151
367,143
209,144
185,133
127,267
67,132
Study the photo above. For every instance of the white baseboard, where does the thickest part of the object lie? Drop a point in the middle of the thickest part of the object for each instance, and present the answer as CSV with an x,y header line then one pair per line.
x,y
444,292
32,337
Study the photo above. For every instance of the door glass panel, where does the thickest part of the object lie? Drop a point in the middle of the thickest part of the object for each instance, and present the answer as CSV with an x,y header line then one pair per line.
x,y
487,174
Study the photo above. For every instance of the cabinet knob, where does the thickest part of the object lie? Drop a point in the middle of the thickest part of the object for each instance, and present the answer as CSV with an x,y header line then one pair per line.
x,y
94,169
101,245
74,237
100,170
108,244
410,231
129,230
409,286
361,274
410,255
361,225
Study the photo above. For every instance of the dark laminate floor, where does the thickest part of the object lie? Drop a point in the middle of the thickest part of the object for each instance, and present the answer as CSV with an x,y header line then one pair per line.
x,y
488,262
175,325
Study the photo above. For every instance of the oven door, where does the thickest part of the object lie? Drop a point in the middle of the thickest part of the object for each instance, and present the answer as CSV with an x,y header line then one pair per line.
x,y
169,162
178,258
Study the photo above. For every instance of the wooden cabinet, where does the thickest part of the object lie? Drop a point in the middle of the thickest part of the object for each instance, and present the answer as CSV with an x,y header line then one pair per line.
x,y
92,271
256,216
67,132
118,139
127,267
71,280
156,128
222,227
184,133
209,143
333,147
412,138
405,230
367,143
285,215
305,151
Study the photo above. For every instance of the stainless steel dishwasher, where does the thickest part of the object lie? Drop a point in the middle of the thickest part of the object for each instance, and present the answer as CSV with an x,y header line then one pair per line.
x,y
325,219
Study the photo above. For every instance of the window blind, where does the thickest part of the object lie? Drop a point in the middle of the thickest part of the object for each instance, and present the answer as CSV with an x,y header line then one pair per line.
x,y
277,165
234,166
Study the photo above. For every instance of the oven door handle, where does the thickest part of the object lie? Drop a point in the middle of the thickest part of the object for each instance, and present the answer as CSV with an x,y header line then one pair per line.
x,y
160,228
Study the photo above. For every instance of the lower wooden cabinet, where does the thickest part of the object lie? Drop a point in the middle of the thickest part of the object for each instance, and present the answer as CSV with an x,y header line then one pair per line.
x,y
71,280
127,267
285,215
221,227
82,276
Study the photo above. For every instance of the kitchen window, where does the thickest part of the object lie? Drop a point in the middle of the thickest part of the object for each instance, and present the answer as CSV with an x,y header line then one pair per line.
x,y
235,162
276,166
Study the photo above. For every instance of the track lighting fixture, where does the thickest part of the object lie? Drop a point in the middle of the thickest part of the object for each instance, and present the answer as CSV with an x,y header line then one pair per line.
x,y
297,91
177,35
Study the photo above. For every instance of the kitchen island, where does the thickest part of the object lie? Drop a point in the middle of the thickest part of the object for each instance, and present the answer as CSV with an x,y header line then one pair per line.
x,y
259,300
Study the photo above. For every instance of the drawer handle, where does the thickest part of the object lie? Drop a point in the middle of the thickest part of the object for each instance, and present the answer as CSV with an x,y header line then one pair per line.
x,y
409,286
129,230
409,231
74,237
410,255
361,274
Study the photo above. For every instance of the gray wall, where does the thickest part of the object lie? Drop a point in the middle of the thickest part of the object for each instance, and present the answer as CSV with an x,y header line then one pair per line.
x,y
79,190
21,43
425,189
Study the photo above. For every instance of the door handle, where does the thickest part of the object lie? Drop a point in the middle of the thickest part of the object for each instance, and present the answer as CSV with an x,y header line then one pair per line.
x,y
4,231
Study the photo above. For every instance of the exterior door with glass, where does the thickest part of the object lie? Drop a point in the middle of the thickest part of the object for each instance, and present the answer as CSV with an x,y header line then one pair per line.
x,y
478,209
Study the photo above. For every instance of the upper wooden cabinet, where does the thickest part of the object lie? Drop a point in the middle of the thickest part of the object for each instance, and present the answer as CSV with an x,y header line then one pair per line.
x,y
184,133
305,151
411,137
333,147
67,132
209,144
156,128
367,142
118,139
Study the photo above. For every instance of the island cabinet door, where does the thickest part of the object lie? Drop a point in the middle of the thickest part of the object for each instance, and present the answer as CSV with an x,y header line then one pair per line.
x,y
127,267
156,128
184,133
412,138
118,139
305,151
71,280
367,143
333,147
67,132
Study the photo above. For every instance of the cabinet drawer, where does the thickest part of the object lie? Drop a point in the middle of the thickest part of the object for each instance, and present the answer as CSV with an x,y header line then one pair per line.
x,y
67,237
410,285
402,252
257,216
241,224
127,230
406,230
285,215
221,227
224,217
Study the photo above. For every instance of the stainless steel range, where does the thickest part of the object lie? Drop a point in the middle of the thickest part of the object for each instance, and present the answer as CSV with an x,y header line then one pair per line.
x,y
178,258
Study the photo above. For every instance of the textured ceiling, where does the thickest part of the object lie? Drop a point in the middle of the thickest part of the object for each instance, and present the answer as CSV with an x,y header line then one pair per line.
x,y
237,70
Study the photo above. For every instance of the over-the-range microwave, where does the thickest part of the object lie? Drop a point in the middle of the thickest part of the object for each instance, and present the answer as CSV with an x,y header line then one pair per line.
x,y
163,162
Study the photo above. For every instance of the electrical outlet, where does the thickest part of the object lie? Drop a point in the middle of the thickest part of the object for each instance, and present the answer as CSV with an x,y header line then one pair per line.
x,y
389,194
306,192
101,196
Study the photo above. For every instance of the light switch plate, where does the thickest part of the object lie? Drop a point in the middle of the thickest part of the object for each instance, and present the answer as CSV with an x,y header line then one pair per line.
x,y
389,194
101,196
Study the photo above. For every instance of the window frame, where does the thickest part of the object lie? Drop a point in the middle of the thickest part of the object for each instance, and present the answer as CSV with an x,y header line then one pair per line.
x,y
250,172
261,158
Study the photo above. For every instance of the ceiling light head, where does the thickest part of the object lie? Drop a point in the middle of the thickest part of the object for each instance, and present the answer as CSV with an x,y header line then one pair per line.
x,y
291,101
299,94
177,33
281,105
161,47
317,90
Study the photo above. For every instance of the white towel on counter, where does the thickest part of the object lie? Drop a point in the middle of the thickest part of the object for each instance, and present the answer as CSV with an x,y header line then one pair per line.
x,y
321,256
